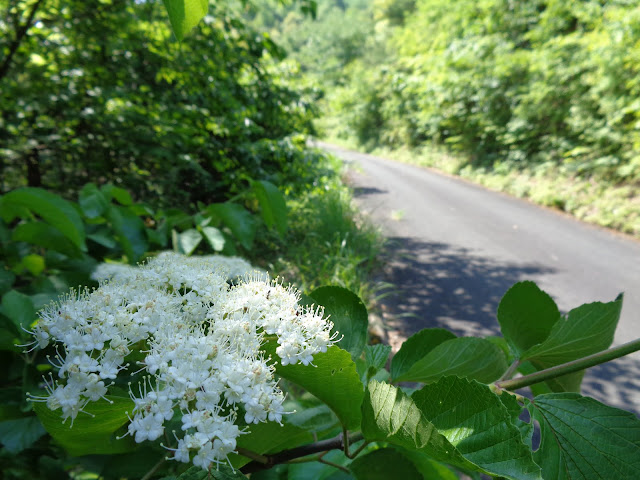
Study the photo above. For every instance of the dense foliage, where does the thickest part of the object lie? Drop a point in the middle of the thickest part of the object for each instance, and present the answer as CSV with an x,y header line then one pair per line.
x,y
99,91
502,81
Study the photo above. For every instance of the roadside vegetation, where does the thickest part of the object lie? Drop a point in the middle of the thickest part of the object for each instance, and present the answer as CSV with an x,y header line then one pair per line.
x,y
537,98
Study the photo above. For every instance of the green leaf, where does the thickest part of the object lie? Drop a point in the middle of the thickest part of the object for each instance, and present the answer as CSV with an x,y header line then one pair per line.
x,y
129,230
376,356
6,280
526,315
583,439
272,205
93,202
189,240
429,468
104,237
214,238
313,419
384,464
219,472
185,14
119,194
33,263
270,437
19,309
238,219
332,378
471,357
19,434
92,432
348,314
586,330
53,209
47,236
416,347
441,421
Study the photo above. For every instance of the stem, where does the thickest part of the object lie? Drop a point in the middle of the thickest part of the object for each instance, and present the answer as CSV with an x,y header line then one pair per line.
x,y
345,441
286,456
154,469
252,455
510,371
334,465
569,367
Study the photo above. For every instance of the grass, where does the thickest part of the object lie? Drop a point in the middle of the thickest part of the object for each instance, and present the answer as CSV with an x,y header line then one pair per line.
x,y
327,243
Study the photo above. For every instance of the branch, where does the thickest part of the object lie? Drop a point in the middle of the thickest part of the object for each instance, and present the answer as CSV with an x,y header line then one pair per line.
x,y
20,34
569,367
267,461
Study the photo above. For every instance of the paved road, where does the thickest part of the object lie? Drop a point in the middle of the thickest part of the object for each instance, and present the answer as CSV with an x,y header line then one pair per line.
x,y
458,247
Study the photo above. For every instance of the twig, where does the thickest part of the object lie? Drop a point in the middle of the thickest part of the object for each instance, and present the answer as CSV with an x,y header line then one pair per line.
x,y
268,461
569,367
510,371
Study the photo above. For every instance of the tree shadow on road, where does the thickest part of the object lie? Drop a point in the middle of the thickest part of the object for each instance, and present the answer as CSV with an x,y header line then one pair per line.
x,y
437,285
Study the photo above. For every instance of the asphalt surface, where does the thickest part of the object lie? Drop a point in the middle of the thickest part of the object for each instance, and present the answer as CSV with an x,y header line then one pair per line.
x,y
456,248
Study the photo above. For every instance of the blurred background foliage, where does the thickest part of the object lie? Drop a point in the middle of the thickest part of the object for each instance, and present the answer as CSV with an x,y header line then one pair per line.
x,y
517,82
99,91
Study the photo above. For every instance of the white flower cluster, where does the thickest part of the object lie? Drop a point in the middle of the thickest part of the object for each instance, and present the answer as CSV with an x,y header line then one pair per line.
x,y
232,267
201,340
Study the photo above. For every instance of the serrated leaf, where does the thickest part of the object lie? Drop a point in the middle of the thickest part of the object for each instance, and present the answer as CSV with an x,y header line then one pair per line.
x,y
53,209
526,315
586,330
19,434
214,238
18,307
471,357
376,356
348,314
582,438
92,432
47,236
238,219
189,240
440,421
383,464
332,378
416,347
185,14
272,205
92,201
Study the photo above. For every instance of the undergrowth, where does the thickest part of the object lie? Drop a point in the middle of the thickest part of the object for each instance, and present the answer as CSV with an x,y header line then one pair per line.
x,y
327,243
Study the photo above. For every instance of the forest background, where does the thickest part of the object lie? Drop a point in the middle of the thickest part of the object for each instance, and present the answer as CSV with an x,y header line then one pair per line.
x,y
537,98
